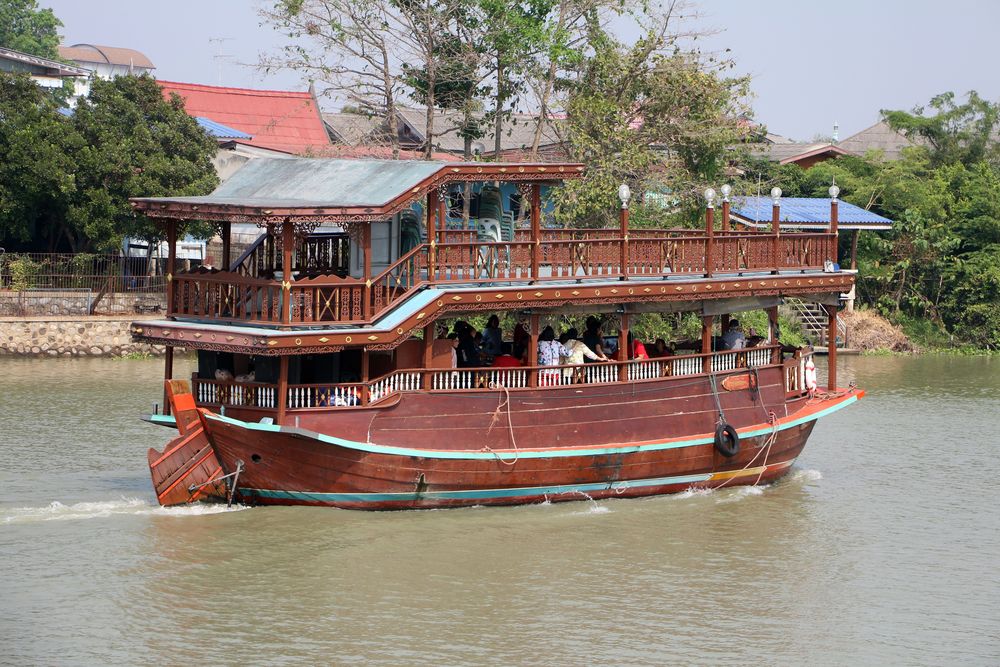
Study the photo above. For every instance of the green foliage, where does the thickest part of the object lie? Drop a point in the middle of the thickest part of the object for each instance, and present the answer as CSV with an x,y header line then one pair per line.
x,y
26,28
956,133
654,117
65,182
22,272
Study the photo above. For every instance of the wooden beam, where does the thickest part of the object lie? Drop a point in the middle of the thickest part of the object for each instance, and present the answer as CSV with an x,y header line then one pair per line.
x,y
706,342
831,346
171,263
428,354
834,229
624,349
776,230
282,387
168,374
364,376
227,249
534,321
287,247
772,332
725,214
536,231
623,220
367,250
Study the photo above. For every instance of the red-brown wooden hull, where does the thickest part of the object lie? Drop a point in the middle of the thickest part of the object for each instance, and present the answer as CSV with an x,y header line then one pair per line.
x,y
425,452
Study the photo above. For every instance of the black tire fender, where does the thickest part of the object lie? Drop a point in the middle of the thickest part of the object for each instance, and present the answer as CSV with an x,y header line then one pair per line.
x,y
727,440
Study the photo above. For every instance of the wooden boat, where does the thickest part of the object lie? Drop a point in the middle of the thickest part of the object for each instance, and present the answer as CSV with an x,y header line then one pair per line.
x,y
353,405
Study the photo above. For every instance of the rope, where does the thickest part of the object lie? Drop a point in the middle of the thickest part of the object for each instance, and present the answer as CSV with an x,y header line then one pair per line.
x,y
718,403
766,449
503,401
821,396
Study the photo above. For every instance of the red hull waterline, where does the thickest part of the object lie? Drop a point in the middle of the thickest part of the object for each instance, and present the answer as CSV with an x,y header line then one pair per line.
x,y
306,464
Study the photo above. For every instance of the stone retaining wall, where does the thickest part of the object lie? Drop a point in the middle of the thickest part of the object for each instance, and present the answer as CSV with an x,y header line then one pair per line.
x,y
44,303
71,337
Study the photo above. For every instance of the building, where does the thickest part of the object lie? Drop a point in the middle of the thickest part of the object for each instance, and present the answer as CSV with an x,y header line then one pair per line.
x,y
107,62
46,73
804,155
275,120
879,137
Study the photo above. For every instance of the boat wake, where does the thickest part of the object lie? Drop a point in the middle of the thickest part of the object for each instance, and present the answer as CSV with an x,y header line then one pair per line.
x,y
57,511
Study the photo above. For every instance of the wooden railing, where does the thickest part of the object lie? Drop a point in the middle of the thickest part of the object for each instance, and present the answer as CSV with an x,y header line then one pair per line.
x,y
302,396
327,295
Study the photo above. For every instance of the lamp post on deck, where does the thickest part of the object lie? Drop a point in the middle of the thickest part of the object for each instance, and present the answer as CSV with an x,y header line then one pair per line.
x,y
726,190
709,230
624,194
776,227
834,221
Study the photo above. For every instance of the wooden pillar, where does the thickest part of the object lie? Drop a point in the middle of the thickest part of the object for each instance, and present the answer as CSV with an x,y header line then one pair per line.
x,y
282,387
831,336
725,214
534,322
834,223
776,230
709,237
854,249
706,343
171,263
367,250
623,220
536,230
428,354
624,349
772,332
227,249
433,213
365,397
168,374
287,248
724,323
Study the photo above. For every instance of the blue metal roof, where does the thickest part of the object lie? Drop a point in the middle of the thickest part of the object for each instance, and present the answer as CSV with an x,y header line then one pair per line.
x,y
220,131
806,212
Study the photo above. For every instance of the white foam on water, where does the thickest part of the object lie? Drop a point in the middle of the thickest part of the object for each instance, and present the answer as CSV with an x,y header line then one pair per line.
x,y
57,511
806,476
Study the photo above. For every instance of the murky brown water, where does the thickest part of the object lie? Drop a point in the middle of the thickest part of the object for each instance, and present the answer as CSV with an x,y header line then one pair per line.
x,y
881,547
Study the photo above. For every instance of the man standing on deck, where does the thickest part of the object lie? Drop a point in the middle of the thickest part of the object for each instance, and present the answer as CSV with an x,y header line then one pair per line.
x,y
733,338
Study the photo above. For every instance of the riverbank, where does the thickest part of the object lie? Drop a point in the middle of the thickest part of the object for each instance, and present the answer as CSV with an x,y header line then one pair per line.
x,y
72,336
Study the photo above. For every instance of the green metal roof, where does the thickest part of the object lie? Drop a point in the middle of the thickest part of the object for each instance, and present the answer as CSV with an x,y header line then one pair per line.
x,y
316,183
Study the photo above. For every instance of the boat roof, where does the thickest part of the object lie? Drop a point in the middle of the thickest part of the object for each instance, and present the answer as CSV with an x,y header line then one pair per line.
x,y
336,190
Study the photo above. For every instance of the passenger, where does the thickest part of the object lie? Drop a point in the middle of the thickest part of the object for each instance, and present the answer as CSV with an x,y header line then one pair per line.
x,y
468,353
453,337
593,338
506,361
549,353
638,348
521,336
753,339
578,350
733,338
660,349
492,338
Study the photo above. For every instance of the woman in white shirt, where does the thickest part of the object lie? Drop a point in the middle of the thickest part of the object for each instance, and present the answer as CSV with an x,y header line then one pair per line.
x,y
549,352
577,350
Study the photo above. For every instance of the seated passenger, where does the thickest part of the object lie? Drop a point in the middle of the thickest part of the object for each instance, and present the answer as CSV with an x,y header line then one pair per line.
x,y
660,349
492,338
733,338
549,352
592,338
638,348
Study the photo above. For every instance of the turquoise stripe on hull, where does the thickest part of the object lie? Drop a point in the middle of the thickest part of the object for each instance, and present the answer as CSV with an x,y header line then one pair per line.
x,y
474,494
544,454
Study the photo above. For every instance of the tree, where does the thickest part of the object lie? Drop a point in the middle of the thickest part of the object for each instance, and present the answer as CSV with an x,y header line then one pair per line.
x,y
37,172
651,115
956,132
65,182
26,28
136,144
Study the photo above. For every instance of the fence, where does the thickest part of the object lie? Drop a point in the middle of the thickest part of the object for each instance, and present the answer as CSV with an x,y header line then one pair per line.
x,y
80,284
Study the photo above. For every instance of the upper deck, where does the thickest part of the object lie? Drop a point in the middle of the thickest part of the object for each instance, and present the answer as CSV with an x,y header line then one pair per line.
x,y
379,273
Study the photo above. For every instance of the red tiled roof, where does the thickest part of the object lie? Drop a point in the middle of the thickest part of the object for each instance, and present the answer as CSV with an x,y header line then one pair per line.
x,y
278,119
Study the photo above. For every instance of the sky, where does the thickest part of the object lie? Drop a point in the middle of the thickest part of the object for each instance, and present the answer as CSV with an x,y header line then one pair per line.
x,y
812,63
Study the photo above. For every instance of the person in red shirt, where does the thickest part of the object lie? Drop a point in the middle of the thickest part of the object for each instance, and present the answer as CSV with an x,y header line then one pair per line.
x,y
638,349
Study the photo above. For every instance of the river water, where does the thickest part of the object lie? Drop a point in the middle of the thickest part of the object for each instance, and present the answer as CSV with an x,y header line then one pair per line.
x,y
882,546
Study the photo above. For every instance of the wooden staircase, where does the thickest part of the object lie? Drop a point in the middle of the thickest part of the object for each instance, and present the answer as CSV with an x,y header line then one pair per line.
x,y
815,322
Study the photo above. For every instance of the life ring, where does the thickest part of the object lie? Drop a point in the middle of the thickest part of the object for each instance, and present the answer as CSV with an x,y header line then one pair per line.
x,y
810,376
727,440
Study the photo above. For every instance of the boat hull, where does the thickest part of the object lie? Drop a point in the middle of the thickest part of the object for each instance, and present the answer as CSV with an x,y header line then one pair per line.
x,y
292,466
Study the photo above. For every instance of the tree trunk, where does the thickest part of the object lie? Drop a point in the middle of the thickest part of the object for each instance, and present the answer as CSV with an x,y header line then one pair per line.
x,y
498,121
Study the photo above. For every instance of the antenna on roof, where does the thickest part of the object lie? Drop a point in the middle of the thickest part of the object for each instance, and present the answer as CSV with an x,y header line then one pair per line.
x,y
220,56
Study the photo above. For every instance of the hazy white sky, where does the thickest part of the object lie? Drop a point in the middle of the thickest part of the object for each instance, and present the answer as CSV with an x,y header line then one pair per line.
x,y
813,63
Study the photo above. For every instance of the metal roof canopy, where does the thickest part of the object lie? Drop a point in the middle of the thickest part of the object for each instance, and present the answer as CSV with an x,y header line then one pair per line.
x,y
805,213
329,190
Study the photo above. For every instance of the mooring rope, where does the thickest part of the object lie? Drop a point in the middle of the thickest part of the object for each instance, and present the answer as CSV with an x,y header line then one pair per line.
x,y
503,401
